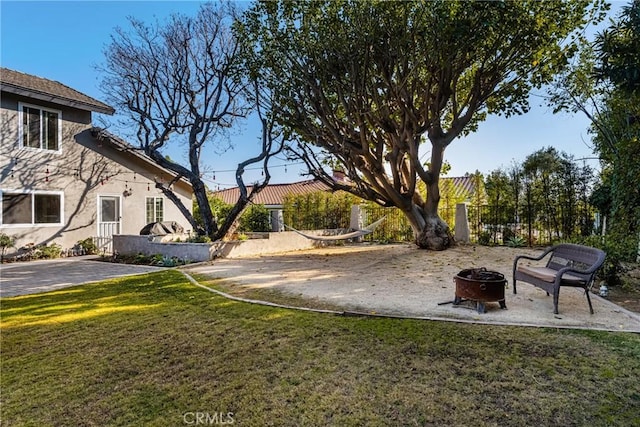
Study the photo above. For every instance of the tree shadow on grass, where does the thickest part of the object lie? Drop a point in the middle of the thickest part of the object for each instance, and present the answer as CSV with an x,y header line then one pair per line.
x,y
121,295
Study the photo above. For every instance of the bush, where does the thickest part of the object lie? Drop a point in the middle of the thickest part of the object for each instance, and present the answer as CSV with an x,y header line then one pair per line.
x,y
6,242
256,219
50,251
484,238
620,249
508,235
198,239
88,246
516,242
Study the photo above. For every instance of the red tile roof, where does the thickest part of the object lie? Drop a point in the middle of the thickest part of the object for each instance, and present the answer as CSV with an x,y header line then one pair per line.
x,y
48,90
463,186
273,195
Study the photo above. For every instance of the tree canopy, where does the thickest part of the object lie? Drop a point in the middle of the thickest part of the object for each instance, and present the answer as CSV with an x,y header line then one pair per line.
x,y
364,85
605,86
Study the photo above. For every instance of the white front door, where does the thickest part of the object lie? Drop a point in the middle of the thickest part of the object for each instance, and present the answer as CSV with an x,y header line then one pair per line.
x,y
108,222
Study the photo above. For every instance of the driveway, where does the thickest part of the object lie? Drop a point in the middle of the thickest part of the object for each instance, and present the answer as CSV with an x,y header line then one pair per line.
x,y
32,277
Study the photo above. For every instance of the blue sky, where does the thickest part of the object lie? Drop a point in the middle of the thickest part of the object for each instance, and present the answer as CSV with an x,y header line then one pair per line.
x,y
64,41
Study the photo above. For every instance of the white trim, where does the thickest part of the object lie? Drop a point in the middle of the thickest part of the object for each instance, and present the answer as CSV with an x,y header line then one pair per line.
x,y
32,193
107,229
99,210
21,145
155,212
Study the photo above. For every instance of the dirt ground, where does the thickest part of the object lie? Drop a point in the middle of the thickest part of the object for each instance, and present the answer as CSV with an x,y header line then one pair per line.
x,y
628,298
402,280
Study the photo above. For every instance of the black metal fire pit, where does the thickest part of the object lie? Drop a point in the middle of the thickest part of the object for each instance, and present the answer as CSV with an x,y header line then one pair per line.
x,y
480,285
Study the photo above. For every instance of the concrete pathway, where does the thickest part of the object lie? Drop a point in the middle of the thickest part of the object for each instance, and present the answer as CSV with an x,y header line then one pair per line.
x,y
21,278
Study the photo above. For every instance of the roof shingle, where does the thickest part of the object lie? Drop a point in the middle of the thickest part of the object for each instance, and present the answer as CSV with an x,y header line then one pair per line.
x,y
48,90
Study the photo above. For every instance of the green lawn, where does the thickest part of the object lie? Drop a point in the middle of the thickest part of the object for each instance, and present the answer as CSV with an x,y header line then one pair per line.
x,y
156,350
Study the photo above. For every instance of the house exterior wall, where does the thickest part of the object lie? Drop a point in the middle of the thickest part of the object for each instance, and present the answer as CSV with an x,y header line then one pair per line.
x,y
84,172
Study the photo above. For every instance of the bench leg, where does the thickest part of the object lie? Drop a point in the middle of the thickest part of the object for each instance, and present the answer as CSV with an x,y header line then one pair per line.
x,y
556,297
586,289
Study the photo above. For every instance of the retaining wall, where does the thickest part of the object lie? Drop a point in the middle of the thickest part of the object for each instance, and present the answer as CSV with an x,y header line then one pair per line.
x,y
271,243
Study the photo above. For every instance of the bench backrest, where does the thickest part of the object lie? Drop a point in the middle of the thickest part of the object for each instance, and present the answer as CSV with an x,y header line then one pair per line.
x,y
582,257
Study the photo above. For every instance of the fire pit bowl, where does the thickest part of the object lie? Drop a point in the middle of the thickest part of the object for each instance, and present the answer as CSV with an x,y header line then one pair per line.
x,y
480,285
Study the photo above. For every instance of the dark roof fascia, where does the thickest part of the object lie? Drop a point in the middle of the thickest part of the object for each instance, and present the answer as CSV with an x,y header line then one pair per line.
x,y
47,97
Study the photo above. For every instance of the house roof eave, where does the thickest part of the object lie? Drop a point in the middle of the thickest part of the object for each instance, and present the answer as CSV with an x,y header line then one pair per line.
x,y
55,99
124,147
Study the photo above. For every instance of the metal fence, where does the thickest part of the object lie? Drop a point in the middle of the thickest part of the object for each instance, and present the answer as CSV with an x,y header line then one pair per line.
x,y
394,228
489,224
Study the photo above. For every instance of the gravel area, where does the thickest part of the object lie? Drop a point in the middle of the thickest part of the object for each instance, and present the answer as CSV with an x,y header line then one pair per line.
x,y
405,281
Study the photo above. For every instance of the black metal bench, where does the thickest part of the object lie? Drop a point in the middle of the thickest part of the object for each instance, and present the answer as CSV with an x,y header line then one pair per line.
x,y
568,265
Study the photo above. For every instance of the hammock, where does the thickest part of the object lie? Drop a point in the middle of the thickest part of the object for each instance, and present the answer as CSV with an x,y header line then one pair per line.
x,y
358,233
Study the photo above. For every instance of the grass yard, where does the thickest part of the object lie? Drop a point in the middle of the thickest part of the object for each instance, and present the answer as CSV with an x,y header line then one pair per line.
x,y
156,350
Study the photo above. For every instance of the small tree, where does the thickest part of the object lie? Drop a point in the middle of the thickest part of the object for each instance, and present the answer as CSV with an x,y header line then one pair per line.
x,y
6,242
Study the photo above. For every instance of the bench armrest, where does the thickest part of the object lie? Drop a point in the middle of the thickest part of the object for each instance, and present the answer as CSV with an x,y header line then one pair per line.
x,y
589,270
533,258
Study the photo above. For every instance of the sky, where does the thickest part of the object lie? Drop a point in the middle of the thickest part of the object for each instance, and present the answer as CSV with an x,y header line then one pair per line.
x,y
64,41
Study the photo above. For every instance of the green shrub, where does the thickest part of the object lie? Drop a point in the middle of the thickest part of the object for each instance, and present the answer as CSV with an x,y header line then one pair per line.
x,y
484,238
516,242
619,248
88,245
50,251
508,234
6,242
199,239
256,218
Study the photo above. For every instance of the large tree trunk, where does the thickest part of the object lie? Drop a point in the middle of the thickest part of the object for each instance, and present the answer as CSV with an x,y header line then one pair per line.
x,y
434,234
209,223
169,194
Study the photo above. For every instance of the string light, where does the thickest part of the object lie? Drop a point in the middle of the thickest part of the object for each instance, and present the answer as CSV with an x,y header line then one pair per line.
x,y
260,167
129,183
